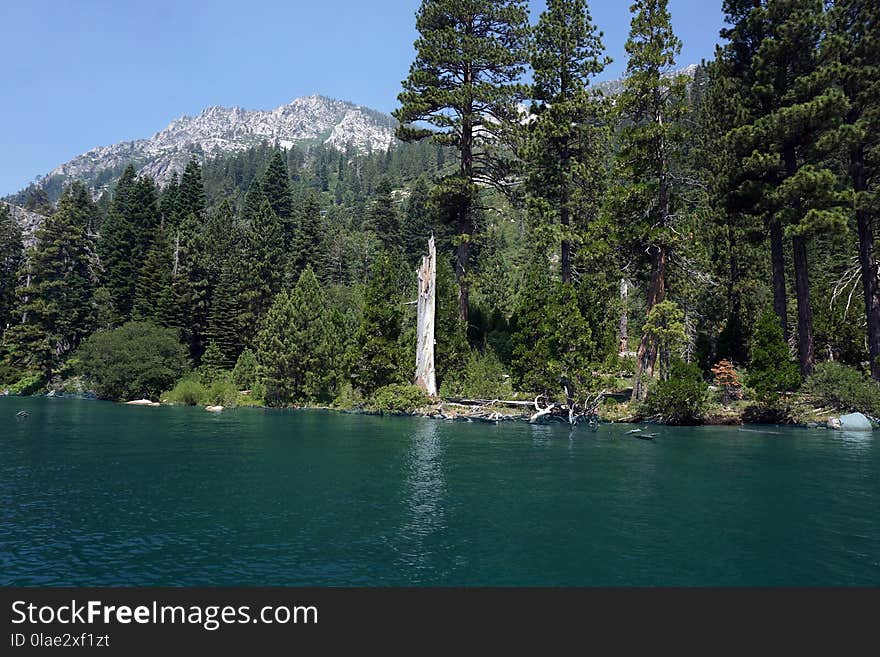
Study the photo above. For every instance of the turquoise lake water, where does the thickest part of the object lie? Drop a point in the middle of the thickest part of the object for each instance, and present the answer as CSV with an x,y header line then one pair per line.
x,y
94,494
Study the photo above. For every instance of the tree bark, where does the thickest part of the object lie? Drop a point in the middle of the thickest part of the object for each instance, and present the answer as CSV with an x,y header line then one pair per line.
x,y
425,377
647,354
805,313
868,264
777,260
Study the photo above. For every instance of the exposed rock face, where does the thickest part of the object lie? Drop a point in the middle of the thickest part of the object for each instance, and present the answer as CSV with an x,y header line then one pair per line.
x,y
312,119
29,221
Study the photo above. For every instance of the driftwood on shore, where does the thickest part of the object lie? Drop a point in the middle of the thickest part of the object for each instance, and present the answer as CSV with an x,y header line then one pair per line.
x,y
544,410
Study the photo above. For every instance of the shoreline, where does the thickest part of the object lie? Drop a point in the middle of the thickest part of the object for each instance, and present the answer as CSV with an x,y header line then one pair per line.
x,y
460,413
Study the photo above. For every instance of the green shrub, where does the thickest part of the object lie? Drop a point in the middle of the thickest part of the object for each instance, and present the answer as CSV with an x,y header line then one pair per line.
x,y
771,370
138,359
213,367
844,388
222,392
187,391
681,399
244,374
29,384
484,378
348,398
8,373
398,398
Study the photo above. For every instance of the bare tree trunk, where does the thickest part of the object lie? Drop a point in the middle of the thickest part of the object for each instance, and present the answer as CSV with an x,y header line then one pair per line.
x,y
425,376
805,313
623,329
868,266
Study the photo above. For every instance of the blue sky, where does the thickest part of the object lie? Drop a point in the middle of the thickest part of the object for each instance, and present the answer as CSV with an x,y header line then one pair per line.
x,y
84,73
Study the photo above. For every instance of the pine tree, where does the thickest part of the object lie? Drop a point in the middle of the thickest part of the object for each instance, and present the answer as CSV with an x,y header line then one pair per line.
x,y
851,55
650,105
376,357
152,301
551,340
115,246
11,262
168,200
232,322
567,145
416,226
56,297
294,348
771,369
253,201
470,55
791,142
189,196
214,363
125,237
264,251
450,333
276,188
735,198
382,218
244,374
307,248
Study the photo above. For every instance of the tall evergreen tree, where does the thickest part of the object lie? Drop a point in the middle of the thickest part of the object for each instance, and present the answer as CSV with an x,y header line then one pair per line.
x,y
125,237
55,300
307,247
383,216
11,262
264,262
450,333
190,302
189,196
295,347
152,300
851,54
791,141
567,145
231,321
416,226
470,55
168,200
651,103
376,357
276,188
551,340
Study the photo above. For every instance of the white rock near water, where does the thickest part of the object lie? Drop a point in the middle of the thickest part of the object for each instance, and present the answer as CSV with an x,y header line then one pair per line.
x,y
850,422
